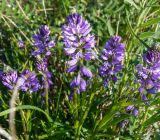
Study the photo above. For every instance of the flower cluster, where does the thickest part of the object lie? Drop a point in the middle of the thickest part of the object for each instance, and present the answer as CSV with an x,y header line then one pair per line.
x,y
149,76
131,109
151,57
43,44
112,57
42,67
79,44
42,41
30,83
9,79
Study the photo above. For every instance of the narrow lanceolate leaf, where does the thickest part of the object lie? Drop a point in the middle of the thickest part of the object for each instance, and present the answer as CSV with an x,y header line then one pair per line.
x,y
151,22
155,118
25,107
132,31
145,35
111,113
132,3
116,120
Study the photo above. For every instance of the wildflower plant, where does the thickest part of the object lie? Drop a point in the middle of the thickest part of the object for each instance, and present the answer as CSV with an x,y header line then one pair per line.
x,y
79,44
61,82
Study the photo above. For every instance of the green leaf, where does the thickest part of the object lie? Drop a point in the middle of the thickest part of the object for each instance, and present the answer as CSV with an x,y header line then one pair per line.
x,y
116,120
111,112
23,107
132,3
151,22
145,35
155,118
132,31
110,29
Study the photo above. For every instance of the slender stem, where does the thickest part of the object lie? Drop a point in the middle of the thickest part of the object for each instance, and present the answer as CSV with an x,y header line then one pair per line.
x,y
57,106
76,121
144,119
44,7
84,116
23,123
46,92
13,113
22,10
14,24
5,134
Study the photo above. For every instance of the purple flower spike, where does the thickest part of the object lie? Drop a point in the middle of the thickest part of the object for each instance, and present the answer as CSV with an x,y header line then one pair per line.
x,y
9,79
77,38
42,66
31,83
77,33
149,78
42,41
152,56
79,44
112,57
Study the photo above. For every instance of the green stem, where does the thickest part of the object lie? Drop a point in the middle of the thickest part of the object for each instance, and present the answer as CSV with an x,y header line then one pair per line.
x,y
144,119
81,122
23,122
75,114
46,92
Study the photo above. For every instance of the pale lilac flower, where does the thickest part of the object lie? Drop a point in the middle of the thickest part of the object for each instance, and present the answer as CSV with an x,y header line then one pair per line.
x,y
21,44
86,72
135,112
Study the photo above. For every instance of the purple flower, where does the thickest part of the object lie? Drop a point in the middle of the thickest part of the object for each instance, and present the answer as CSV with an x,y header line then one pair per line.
x,y
86,72
21,44
130,107
31,83
149,78
9,79
48,78
42,67
152,56
42,41
135,112
123,124
78,84
79,44
112,57
77,38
